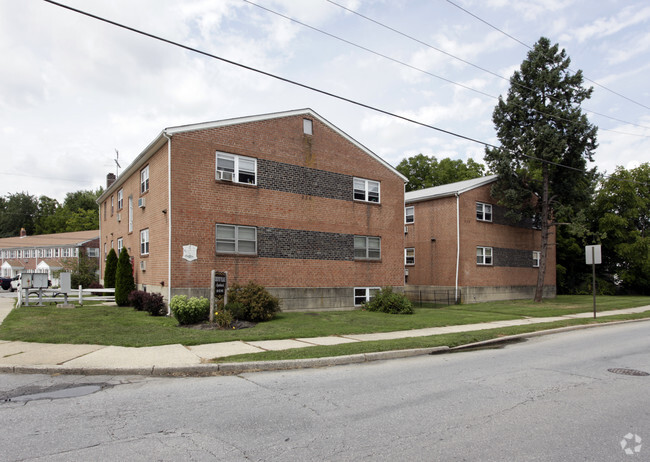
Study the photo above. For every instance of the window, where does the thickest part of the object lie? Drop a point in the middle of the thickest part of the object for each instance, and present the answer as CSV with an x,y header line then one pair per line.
x,y
409,214
130,214
239,169
92,252
307,127
367,248
536,256
66,252
120,244
104,250
236,239
144,242
364,294
484,255
409,256
104,211
366,190
144,180
120,199
112,205
483,212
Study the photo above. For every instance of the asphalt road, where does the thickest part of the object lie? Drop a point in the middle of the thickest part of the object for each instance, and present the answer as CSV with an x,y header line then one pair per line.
x,y
550,398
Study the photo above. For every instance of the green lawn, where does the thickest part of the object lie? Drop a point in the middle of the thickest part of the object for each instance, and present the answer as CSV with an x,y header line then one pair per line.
x,y
126,327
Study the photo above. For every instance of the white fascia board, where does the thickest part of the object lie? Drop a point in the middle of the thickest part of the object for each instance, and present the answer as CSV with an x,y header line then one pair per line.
x,y
447,190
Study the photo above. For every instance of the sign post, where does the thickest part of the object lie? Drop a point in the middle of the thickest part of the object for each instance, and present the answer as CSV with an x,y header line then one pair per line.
x,y
218,287
593,258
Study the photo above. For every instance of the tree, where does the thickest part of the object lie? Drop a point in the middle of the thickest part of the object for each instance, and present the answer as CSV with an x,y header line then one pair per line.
x,y
83,270
110,269
124,283
426,172
17,211
545,143
622,214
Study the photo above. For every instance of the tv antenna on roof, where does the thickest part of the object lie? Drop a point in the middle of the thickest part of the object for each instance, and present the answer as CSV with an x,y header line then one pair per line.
x,y
117,169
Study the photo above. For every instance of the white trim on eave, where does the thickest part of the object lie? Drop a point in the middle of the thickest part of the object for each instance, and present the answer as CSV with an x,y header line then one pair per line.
x,y
447,190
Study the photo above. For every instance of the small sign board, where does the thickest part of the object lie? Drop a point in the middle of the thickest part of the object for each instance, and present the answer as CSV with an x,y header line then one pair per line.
x,y
220,283
189,252
593,255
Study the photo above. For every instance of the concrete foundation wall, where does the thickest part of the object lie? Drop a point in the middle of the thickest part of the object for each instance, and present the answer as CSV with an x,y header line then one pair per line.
x,y
474,294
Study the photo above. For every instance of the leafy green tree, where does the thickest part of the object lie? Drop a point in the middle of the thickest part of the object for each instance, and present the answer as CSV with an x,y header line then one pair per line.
x,y
83,270
17,211
545,143
110,269
426,171
622,214
124,283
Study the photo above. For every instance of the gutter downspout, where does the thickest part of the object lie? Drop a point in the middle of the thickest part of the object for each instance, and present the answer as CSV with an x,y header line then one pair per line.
x,y
457,243
169,221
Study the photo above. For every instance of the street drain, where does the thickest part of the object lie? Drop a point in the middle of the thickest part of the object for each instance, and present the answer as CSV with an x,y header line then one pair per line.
x,y
624,371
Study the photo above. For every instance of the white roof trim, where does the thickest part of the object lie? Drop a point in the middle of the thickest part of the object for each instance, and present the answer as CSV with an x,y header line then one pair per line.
x,y
160,140
450,189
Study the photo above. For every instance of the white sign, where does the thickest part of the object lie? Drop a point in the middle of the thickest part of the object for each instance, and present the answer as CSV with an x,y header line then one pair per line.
x,y
592,255
189,252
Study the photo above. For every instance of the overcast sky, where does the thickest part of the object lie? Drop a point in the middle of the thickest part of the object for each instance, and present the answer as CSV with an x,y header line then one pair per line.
x,y
74,89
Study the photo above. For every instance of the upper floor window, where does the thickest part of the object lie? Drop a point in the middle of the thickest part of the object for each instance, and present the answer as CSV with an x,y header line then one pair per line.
x,y
484,255
536,256
112,205
120,199
483,211
239,169
366,190
307,126
92,252
236,239
409,214
144,180
144,242
409,256
367,247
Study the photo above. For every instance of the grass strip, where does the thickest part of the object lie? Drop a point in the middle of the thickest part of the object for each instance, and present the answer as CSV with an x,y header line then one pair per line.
x,y
450,340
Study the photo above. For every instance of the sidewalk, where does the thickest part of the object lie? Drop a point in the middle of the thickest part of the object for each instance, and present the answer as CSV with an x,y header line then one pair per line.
x,y
170,360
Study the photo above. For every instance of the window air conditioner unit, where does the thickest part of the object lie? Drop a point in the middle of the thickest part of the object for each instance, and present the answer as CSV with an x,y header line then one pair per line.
x,y
406,230
141,202
119,217
224,176
143,265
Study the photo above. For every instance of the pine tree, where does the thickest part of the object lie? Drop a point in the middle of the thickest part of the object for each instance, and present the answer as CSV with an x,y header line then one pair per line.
x,y
124,283
109,270
545,143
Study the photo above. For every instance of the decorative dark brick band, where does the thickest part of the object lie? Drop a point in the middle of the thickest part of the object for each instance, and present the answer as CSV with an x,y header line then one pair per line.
x,y
295,179
513,258
307,245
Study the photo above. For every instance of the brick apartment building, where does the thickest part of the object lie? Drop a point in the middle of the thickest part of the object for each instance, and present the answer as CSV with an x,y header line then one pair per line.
x,y
287,200
458,240
45,253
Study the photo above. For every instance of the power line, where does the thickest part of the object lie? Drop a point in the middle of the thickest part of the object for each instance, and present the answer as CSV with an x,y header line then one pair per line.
x,y
476,66
530,48
293,82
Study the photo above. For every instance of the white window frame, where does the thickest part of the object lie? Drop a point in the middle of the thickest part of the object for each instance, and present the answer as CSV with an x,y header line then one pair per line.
x,y
112,205
409,260
120,199
237,166
409,217
484,256
483,210
130,214
144,180
369,254
368,293
307,126
144,241
537,255
363,186
120,245
235,240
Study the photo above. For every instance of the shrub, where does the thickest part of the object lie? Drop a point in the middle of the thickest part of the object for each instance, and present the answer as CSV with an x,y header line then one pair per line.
x,y
190,310
387,301
223,319
236,309
109,271
96,285
154,304
136,299
124,283
257,304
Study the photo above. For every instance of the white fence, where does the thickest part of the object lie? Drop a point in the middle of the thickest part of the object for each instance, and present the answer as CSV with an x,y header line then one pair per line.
x,y
26,297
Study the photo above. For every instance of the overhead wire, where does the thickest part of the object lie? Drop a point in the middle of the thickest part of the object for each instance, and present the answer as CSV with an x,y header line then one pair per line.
x,y
530,48
469,63
296,83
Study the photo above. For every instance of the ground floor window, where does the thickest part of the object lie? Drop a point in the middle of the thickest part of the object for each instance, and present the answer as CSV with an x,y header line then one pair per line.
x,y
364,294
536,256
484,255
409,256
367,247
236,239
144,242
